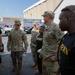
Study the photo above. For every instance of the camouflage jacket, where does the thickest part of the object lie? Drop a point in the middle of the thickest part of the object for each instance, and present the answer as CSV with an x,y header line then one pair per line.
x,y
51,38
34,34
17,40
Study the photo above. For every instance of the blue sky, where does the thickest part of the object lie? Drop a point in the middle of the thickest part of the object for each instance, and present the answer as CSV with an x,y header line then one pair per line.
x,y
14,8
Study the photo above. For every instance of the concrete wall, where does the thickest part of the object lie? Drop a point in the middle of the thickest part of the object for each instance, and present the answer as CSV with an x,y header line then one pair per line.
x,y
35,11
9,19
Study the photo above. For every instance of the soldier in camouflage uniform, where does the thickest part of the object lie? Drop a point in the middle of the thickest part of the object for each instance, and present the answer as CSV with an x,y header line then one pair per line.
x,y
34,34
16,38
51,37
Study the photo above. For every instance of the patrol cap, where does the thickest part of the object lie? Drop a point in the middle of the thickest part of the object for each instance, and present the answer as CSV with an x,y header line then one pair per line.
x,y
17,22
70,8
49,13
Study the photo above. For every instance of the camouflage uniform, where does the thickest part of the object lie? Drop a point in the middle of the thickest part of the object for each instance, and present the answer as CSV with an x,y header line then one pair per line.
x,y
16,38
52,35
34,34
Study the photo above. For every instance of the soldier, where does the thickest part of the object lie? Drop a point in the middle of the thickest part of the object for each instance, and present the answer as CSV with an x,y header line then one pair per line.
x,y
39,42
51,37
34,34
16,38
67,44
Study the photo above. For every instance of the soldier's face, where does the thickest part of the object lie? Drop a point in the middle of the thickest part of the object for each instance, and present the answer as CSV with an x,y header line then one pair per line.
x,y
37,26
17,27
45,18
41,30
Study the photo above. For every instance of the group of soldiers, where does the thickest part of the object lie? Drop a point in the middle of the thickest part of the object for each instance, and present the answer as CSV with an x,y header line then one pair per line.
x,y
56,57
58,49
51,37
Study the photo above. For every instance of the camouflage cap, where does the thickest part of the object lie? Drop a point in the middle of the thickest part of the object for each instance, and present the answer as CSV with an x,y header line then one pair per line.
x,y
17,22
49,13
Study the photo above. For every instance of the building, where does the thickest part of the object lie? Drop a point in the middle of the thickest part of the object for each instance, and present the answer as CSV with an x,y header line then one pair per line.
x,y
35,11
63,4
9,19
29,22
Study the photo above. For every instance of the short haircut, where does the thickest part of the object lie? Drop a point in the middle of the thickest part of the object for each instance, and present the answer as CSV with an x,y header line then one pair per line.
x,y
42,26
70,8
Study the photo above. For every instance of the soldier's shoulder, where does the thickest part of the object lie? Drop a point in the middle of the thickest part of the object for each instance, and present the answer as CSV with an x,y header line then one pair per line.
x,y
22,32
52,27
12,30
55,25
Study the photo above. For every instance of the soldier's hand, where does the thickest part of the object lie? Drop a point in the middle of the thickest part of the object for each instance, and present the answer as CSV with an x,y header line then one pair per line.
x,y
58,72
8,49
25,51
53,58
34,48
40,55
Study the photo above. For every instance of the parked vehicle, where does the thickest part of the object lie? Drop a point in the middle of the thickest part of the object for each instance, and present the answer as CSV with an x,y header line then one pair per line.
x,y
28,30
5,31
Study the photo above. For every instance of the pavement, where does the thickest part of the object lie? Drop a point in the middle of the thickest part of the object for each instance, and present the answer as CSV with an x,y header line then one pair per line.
x,y
6,65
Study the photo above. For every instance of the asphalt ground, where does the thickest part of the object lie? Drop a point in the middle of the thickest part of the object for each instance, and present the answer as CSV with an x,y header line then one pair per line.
x,y
6,65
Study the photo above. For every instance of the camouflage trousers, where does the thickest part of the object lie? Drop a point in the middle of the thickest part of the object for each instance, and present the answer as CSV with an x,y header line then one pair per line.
x,y
34,54
49,67
17,59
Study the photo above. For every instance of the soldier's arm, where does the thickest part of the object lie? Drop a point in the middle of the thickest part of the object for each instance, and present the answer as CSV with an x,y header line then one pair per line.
x,y
9,42
24,37
33,40
58,33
